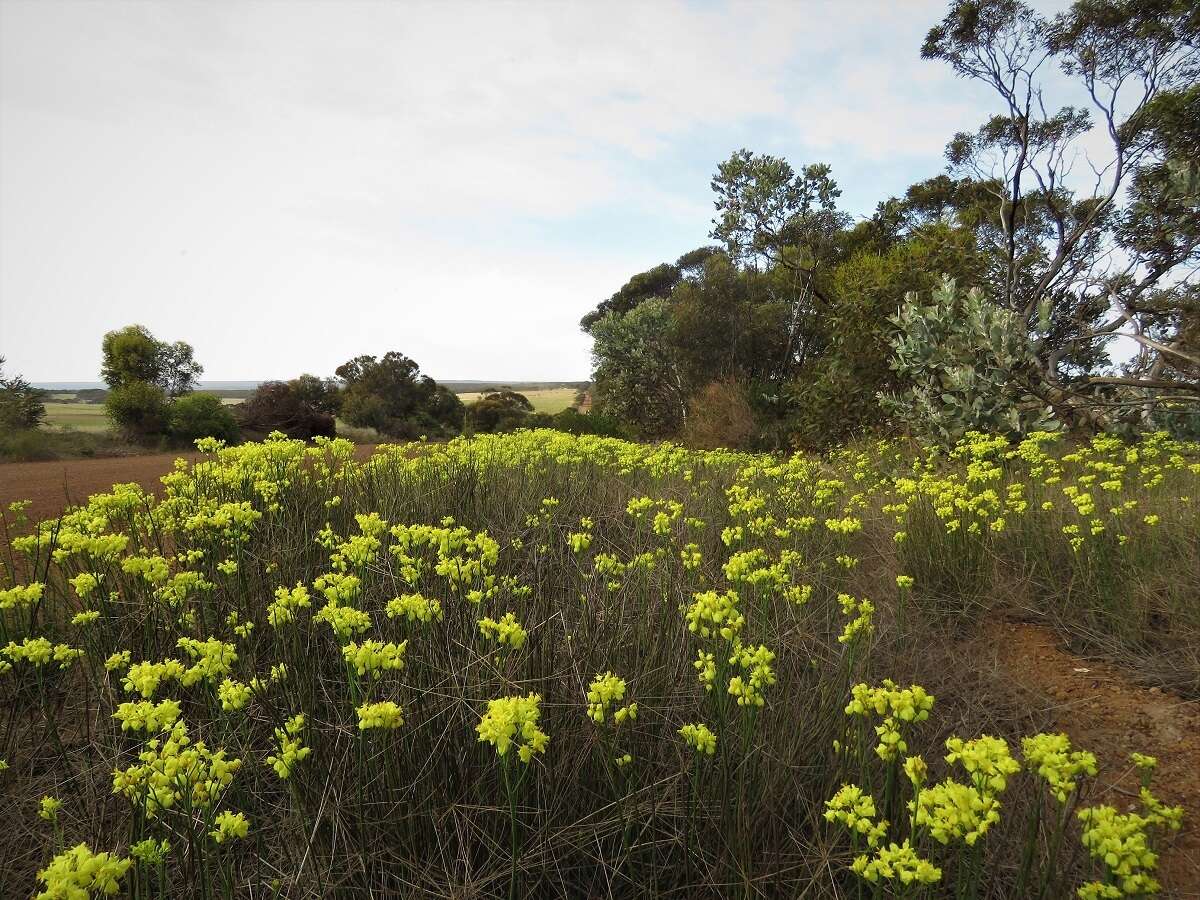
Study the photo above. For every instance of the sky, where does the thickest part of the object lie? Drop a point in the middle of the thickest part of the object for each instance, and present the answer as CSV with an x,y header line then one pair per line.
x,y
286,185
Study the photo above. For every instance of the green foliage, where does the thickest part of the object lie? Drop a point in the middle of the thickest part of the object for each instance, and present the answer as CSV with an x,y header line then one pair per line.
x,y
968,366
765,208
321,394
1051,249
497,411
202,415
25,445
835,395
139,410
133,354
636,378
393,397
572,421
21,403
130,354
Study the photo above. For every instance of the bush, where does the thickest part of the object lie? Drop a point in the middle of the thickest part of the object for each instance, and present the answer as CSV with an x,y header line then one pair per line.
x,y
497,411
139,410
572,421
393,397
297,408
195,416
720,416
969,365
20,402
25,445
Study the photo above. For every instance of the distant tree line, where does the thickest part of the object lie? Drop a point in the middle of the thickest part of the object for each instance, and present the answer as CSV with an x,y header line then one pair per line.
x,y
151,399
985,297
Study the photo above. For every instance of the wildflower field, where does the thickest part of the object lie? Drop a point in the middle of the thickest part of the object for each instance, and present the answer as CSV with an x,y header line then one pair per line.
x,y
535,665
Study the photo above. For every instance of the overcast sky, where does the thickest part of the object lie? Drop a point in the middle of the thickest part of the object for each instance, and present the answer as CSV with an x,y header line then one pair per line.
x,y
287,185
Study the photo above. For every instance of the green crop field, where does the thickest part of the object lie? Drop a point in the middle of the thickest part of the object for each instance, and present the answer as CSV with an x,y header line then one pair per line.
x,y
80,416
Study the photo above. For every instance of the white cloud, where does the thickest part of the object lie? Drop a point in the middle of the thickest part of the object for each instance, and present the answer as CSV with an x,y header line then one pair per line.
x,y
288,184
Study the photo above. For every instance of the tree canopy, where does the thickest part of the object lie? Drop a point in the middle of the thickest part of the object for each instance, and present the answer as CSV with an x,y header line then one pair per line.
x,y
813,315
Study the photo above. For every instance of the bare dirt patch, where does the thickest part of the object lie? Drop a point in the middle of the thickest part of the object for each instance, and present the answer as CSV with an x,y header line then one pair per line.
x,y
1104,710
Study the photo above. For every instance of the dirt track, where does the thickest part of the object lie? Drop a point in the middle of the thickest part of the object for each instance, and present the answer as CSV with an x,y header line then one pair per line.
x,y
1104,710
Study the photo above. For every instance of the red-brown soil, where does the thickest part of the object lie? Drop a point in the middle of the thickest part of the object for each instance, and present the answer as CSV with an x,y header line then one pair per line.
x,y
1105,711
55,484
58,483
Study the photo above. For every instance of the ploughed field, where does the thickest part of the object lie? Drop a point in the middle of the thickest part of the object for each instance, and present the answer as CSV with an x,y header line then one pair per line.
x,y
541,665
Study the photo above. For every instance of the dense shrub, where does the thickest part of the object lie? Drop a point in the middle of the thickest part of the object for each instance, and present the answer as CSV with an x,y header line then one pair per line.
x,y
393,397
967,365
295,408
202,415
497,411
20,402
139,410
572,421
25,444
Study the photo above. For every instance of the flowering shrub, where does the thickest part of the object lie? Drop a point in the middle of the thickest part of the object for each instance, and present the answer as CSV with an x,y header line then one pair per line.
x,y
365,660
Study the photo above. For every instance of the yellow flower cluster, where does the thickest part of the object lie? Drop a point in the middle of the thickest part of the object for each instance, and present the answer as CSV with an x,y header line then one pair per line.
x,y
146,716
78,873
414,608
986,760
756,662
374,657
855,809
712,613
897,705
150,852
700,738
39,652
896,862
291,746
338,588
505,631
282,611
604,692
862,614
1050,756
230,825
911,704
175,770
212,659
706,669
1121,842
952,811
513,721
84,583
344,620
48,808
385,714
233,694
21,596
145,677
